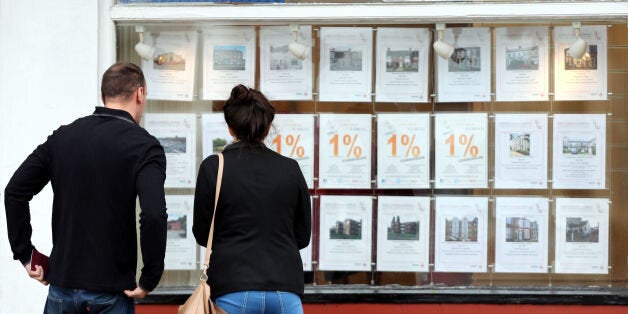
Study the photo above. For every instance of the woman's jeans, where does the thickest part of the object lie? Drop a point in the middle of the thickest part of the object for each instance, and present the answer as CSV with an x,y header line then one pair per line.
x,y
260,302
61,300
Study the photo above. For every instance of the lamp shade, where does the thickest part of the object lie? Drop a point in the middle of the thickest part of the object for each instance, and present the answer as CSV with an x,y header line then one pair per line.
x,y
145,51
298,50
578,48
443,49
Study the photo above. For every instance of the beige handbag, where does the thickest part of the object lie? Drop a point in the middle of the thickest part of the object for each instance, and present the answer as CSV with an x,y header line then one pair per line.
x,y
200,302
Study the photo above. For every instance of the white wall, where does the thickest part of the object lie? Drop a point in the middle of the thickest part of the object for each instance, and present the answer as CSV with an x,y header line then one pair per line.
x,y
50,67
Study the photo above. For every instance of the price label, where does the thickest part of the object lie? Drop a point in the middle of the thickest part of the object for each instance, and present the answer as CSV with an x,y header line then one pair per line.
x,y
461,150
345,151
403,142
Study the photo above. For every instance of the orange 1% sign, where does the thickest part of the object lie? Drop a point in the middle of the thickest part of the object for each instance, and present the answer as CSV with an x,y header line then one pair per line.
x,y
407,142
291,143
464,140
349,141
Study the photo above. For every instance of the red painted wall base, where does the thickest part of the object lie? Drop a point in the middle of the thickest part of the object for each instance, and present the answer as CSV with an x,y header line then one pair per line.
x,y
427,309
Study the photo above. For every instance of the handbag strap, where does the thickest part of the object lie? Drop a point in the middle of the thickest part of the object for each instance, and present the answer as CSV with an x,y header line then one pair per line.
x,y
210,238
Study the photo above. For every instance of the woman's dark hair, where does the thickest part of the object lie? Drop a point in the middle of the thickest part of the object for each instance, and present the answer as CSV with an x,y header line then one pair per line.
x,y
249,114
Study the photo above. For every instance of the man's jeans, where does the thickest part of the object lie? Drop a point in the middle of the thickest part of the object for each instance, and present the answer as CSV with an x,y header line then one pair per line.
x,y
260,302
61,300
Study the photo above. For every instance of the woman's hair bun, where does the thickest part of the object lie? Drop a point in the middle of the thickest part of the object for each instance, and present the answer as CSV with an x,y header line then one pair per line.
x,y
240,94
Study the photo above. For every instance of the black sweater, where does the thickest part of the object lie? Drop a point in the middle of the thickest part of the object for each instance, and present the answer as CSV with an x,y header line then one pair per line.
x,y
97,166
262,220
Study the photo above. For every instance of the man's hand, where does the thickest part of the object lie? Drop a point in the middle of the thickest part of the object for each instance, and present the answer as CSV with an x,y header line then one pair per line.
x,y
138,293
37,274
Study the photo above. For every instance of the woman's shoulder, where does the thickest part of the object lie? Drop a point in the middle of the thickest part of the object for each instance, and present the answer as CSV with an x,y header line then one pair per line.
x,y
281,158
210,161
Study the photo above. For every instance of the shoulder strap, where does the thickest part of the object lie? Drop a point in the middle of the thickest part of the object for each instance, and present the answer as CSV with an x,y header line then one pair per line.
x,y
210,239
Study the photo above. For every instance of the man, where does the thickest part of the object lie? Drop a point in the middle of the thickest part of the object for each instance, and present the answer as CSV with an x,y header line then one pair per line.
x,y
97,166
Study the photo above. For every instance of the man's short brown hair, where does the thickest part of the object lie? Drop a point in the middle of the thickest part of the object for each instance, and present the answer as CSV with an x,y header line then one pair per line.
x,y
121,79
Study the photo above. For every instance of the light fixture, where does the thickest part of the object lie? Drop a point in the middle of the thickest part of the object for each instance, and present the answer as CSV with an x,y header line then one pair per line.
x,y
578,48
146,52
297,49
443,49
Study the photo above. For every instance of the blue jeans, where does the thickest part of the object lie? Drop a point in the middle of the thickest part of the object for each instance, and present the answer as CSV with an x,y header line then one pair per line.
x,y
61,300
260,302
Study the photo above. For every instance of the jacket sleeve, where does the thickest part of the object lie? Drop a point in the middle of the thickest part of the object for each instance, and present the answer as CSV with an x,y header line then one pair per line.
x,y
303,215
29,179
204,196
153,216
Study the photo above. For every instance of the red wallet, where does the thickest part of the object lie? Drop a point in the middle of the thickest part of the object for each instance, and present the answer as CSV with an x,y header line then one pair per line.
x,y
39,259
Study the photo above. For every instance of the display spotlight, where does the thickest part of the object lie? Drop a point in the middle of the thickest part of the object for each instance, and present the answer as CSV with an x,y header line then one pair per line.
x,y
578,48
297,49
442,49
146,52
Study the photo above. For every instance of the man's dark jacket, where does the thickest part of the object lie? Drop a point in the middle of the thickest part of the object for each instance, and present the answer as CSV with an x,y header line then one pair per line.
x,y
97,167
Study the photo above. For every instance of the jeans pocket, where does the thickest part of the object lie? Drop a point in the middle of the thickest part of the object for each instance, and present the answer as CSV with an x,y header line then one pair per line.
x,y
53,305
110,305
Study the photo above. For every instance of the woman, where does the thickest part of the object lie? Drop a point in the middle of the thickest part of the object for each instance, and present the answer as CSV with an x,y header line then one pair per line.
x,y
262,219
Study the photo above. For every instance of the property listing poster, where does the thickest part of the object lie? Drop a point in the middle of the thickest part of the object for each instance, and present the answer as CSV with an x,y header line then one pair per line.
x,y
306,252
170,75
461,150
403,231
345,64
215,133
521,151
345,233
460,235
402,64
466,75
521,64
180,243
282,75
344,151
228,60
581,236
177,134
579,158
403,146
521,234
292,135
585,78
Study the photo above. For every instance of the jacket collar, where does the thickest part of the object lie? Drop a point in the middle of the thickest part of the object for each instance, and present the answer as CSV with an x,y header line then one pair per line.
x,y
114,113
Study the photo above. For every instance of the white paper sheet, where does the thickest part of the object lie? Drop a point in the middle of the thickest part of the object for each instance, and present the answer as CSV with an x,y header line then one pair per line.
x,y
306,252
282,75
180,243
460,234
579,156
461,150
521,151
292,135
215,133
521,234
466,76
521,64
228,60
402,64
580,79
581,236
344,151
345,64
170,76
403,146
403,233
345,233
177,134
